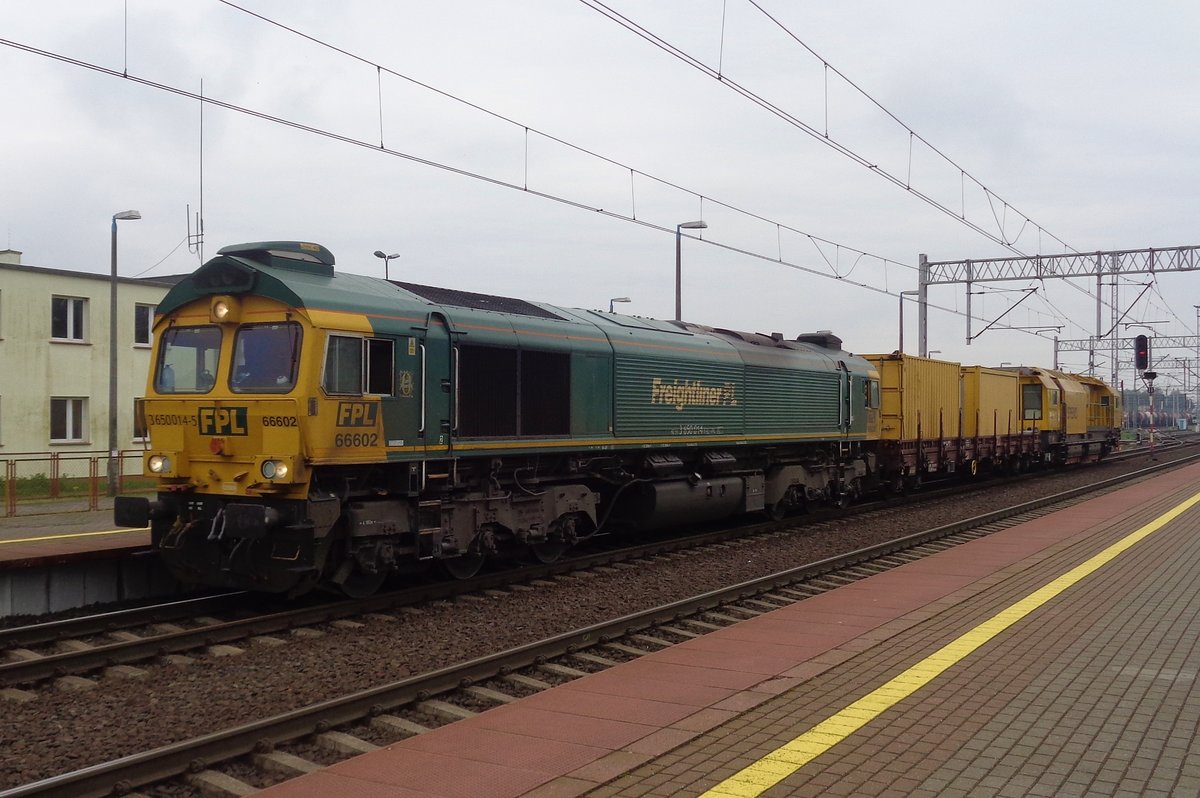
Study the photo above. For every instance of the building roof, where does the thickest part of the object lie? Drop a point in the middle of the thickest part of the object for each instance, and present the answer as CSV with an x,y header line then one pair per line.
x,y
165,281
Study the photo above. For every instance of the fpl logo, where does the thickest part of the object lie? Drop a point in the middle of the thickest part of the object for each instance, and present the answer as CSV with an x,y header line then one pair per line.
x,y
357,414
222,420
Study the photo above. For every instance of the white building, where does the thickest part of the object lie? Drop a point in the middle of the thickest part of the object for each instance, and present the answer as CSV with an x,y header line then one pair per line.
x,y
55,362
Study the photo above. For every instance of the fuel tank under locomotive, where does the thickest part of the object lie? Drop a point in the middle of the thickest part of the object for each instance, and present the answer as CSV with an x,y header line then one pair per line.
x,y
654,505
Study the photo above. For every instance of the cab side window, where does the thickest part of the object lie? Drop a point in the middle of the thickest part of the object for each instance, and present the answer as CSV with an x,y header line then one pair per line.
x,y
356,366
1031,402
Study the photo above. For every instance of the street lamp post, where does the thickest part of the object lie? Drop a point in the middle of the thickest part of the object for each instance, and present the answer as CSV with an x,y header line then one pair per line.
x,y
386,258
617,299
697,225
113,462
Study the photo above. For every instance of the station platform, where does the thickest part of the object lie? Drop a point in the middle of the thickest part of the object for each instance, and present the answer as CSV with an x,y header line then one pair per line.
x,y
62,561
31,541
1054,658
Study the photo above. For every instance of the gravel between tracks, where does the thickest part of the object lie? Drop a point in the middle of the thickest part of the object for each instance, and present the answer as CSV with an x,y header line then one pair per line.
x,y
63,731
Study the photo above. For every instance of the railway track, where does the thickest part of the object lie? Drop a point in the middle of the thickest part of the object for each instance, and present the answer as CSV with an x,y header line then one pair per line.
x,y
80,646
348,724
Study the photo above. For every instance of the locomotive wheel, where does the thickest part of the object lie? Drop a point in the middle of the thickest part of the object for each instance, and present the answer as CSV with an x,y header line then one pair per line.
x,y
361,584
548,551
463,567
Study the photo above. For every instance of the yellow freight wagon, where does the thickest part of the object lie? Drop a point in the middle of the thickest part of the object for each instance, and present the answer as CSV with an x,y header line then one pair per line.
x,y
921,398
991,402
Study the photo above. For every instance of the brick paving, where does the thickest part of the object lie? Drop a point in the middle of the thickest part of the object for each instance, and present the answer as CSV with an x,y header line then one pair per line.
x,y
1091,694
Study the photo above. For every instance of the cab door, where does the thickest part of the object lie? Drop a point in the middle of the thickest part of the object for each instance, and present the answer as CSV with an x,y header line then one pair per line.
x,y
400,395
437,387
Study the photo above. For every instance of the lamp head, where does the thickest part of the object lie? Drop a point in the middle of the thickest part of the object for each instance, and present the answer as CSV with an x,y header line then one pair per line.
x,y
125,216
697,225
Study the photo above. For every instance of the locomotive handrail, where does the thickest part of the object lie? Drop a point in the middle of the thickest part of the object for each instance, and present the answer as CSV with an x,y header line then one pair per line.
x,y
457,358
424,392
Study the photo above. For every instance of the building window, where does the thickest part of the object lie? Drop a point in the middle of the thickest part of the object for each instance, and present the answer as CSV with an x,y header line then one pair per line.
x,y
67,420
67,318
143,320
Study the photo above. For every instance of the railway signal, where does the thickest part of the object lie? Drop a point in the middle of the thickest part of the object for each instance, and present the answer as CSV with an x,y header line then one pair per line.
x,y
1141,352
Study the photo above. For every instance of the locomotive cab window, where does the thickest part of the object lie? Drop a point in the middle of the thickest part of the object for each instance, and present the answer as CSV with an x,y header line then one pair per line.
x,y
509,392
187,359
265,358
871,393
1031,402
355,366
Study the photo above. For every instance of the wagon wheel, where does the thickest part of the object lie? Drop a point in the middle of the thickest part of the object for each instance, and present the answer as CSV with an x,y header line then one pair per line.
x,y
777,511
360,584
465,566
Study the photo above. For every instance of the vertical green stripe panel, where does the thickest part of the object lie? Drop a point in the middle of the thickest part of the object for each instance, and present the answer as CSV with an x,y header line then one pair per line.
x,y
656,396
783,401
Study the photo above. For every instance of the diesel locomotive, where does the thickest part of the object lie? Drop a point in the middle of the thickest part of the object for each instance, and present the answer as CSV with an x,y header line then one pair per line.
x,y
315,428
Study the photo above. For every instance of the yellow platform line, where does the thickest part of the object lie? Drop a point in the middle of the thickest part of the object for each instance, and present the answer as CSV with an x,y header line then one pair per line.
x,y
73,535
773,768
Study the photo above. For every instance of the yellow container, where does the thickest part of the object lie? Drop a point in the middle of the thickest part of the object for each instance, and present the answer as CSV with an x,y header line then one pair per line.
x,y
991,402
921,398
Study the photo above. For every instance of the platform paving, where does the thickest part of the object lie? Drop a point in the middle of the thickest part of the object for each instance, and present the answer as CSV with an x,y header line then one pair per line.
x,y
1089,692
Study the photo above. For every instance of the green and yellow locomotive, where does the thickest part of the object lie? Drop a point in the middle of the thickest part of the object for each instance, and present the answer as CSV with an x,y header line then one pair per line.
x,y
315,428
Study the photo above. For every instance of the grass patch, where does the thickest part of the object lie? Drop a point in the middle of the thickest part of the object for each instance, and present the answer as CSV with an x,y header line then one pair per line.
x,y
40,486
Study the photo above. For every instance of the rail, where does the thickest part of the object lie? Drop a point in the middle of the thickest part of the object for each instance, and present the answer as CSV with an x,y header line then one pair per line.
x,y
198,753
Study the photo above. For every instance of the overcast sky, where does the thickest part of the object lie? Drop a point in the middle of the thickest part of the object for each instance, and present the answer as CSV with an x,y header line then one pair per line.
x,y
1081,116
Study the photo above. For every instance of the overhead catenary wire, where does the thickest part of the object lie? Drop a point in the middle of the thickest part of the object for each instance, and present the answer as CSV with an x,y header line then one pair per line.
x,y
723,78
823,136
816,240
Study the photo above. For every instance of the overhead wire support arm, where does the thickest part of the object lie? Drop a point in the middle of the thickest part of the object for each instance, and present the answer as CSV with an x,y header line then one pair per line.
x,y
1028,293
1160,342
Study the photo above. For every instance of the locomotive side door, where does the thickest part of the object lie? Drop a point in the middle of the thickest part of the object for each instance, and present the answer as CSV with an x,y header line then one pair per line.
x,y
400,397
437,387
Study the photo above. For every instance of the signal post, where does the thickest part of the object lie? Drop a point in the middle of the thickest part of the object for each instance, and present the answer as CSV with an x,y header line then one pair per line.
x,y
1141,359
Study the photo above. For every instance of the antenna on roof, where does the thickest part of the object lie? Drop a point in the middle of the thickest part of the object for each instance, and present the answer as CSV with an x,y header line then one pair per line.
x,y
196,240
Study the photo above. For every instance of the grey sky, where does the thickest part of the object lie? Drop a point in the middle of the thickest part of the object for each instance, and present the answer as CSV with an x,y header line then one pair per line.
x,y
1081,115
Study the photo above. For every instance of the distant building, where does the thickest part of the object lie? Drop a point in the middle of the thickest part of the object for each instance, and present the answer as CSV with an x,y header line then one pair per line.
x,y
54,360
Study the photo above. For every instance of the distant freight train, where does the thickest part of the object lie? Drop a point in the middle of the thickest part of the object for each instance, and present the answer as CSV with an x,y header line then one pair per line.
x,y
312,428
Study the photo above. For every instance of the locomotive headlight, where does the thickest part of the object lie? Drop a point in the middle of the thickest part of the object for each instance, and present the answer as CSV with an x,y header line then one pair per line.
x,y
274,469
224,309
159,464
